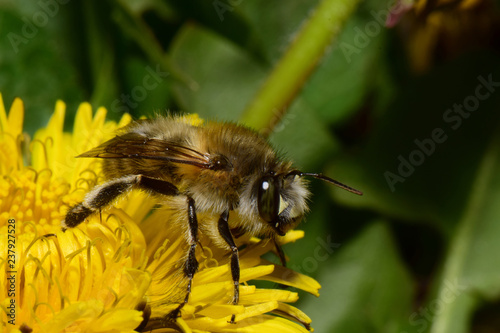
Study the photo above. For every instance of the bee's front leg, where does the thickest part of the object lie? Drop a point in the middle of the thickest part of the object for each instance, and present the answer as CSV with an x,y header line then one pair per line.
x,y
280,252
191,264
225,232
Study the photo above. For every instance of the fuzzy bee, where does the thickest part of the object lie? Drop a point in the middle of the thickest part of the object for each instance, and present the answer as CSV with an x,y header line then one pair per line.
x,y
214,169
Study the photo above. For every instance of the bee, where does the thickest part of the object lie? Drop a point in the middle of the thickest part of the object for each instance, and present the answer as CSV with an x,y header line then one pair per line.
x,y
216,169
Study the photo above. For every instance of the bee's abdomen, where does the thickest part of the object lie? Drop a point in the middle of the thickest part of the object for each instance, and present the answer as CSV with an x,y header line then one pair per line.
x,y
114,168
119,167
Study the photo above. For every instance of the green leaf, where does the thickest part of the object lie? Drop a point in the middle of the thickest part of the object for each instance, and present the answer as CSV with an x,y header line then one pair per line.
x,y
304,137
33,65
340,85
274,23
223,18
472,259
365,287
227,77
145,89
100,54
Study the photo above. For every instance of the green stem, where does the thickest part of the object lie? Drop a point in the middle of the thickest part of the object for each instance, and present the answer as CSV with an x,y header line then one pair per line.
x,y
292,71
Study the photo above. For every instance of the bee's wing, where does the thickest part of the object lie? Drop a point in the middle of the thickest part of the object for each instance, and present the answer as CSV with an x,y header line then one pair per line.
x,y
133,145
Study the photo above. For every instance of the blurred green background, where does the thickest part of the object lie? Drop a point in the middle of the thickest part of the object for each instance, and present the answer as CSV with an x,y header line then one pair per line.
x,y
407,114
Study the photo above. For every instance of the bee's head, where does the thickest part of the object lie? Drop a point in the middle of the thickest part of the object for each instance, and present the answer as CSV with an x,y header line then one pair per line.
x,y
282,198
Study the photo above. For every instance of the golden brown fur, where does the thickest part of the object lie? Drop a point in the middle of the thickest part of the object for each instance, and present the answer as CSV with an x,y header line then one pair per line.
x,y
249,157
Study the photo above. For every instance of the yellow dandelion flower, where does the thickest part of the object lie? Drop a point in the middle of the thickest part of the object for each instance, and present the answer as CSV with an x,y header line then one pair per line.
x,y
88,279
119,271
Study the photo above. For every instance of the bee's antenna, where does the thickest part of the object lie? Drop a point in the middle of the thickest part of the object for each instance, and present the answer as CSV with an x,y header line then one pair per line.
x,y
331,181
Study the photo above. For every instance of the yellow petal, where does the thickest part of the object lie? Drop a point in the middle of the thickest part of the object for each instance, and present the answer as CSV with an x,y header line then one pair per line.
x,y
125,120
255,310
182,324
88,131
207,292
262,295
12,137
217,311
134,284
293,313
192,119
292,236
79,311
256,272
15,118
215,274
56,122
99,118
267,323
118,320
249,321
291,278
55,150
82,125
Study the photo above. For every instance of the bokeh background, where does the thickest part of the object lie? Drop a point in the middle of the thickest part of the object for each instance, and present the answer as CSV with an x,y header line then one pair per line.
x,y
404,105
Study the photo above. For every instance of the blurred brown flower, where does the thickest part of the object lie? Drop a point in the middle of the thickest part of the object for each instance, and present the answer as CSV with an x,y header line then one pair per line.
x,y
435,30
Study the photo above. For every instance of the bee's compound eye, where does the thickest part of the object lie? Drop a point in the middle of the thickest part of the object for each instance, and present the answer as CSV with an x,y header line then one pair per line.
x,y
268,199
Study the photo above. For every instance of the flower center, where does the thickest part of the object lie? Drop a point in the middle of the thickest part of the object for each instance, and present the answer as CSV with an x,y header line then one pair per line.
x,y
27,195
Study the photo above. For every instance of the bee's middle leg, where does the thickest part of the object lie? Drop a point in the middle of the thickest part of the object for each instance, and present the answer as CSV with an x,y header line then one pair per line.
x,y
191,264
225,232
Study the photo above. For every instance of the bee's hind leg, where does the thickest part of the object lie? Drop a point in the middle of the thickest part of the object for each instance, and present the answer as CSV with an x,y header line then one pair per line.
x,y
225,232
191,264
102,195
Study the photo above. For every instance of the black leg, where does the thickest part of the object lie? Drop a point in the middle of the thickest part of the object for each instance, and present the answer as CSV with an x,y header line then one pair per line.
x,y
280,252
281,255
104,194
146,315
157,186
191,264
225,232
